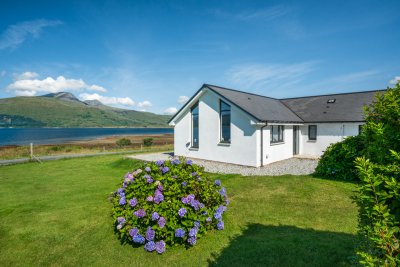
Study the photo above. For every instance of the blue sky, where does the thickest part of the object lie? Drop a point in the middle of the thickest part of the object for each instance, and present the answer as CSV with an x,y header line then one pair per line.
x,y
152,55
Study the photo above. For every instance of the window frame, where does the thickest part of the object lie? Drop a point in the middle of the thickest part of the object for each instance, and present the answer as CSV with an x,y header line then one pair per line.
x,y
221,140
310,138
193,144
281,134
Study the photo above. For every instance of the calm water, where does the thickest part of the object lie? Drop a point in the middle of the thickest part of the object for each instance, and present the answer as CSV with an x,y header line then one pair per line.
x,y
24,136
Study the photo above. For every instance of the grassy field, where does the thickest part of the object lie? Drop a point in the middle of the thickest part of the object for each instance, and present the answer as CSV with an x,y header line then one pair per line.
x,y
58,214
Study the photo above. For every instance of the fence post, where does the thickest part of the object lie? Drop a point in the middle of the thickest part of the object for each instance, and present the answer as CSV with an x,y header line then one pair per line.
x,y
141,147
31,149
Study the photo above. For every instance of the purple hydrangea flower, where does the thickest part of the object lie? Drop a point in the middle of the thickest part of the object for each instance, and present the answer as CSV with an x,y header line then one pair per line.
x,y
121,220
122,201
195,204
138,239
120,190
160,246
220,225
182,212
133,202
150,233
140,213
150,246
221,209
189,162
160,187
164,170
180,233
159,163
148,178
204,212
158,196
162,222
192,232
192,240
184,183
218,216
149,199
133,232
217,182
196,224
194,173
209,219
155,216
128,175
222,191
175,162
185,200
147,169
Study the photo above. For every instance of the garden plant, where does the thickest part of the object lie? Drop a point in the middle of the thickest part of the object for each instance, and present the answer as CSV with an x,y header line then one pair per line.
x,y
167,203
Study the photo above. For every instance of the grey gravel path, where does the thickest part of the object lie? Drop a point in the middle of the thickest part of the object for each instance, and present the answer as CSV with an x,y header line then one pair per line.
x,y
295,166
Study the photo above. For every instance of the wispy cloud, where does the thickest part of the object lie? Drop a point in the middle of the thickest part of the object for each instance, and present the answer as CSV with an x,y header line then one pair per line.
x,y
257,75
144,105
395,80
182,99
18,33
266,14
26,84
354,77
170,110
125,101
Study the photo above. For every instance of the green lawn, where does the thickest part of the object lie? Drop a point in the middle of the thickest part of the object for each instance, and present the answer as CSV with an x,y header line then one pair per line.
x,y
57,213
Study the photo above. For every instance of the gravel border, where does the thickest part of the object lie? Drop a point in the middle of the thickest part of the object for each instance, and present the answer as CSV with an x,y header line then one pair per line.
x,y
294,166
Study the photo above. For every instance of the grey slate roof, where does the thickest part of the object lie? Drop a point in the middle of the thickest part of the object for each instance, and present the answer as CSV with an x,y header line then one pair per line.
x,y
260,107
348,107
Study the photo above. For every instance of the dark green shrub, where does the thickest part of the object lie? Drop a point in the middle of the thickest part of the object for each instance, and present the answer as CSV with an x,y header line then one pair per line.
x,y
147,142
337,162
124,142
166,203
379,190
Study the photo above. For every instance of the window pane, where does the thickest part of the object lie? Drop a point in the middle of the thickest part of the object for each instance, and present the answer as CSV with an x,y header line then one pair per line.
x,y
225,117
277,133
312,132
195,125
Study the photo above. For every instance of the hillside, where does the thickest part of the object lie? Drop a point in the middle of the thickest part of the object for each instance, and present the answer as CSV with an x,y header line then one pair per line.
x,y
53,111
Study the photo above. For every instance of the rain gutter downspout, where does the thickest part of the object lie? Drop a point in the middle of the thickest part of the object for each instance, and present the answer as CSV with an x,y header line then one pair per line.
x,y
262,144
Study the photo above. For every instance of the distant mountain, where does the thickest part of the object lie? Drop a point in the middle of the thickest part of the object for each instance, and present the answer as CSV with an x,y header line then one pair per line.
x,y
95,103
65,110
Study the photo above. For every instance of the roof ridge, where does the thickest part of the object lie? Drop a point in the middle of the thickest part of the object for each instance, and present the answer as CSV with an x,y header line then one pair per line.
x,y
235,90
348,93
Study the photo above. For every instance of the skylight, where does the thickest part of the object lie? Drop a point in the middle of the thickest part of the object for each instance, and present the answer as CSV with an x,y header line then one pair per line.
x,y
330,101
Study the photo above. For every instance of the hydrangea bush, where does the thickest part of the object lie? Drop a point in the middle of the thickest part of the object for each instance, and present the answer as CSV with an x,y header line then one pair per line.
x,y
167,203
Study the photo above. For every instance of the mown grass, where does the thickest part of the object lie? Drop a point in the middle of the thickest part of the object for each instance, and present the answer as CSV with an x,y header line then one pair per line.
x,y
58,214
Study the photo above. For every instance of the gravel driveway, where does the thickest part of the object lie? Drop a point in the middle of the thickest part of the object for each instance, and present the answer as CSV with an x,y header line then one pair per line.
x,y
295,166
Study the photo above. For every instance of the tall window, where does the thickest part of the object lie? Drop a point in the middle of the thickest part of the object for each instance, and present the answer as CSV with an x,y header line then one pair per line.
x,y
277,133
195,125
225,118
312,132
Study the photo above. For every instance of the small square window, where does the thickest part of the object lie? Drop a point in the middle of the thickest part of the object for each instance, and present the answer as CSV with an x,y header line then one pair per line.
x,y
277,133
312,132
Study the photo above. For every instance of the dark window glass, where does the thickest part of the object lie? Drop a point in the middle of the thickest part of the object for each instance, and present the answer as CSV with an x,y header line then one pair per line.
x,y
195,125
360,128
277,133
312,132
225,118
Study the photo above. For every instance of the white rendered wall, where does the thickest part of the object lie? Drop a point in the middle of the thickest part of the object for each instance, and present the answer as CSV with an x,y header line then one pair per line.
x,y
277,151
244,148
327,133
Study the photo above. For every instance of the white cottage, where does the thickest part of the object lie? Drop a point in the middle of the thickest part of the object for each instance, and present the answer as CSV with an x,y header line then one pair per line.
x,y
231,126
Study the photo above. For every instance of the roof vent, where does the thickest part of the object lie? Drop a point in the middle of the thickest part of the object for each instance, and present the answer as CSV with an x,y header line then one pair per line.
x,y
331,101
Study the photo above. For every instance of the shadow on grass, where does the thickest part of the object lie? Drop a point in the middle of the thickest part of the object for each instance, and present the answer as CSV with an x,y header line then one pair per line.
x,y
261,245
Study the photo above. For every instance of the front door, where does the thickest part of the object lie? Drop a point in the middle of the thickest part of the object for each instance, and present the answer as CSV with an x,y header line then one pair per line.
x,y
295,140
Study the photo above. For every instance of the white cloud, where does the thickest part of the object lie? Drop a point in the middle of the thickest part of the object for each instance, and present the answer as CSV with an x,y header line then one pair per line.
x,y
29,86
16,34
144,105
170,111
395,80
256,75
26,75
125,101
270,13
182,99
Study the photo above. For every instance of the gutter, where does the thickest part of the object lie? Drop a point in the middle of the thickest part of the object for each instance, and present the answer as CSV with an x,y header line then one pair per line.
x,y
262,144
